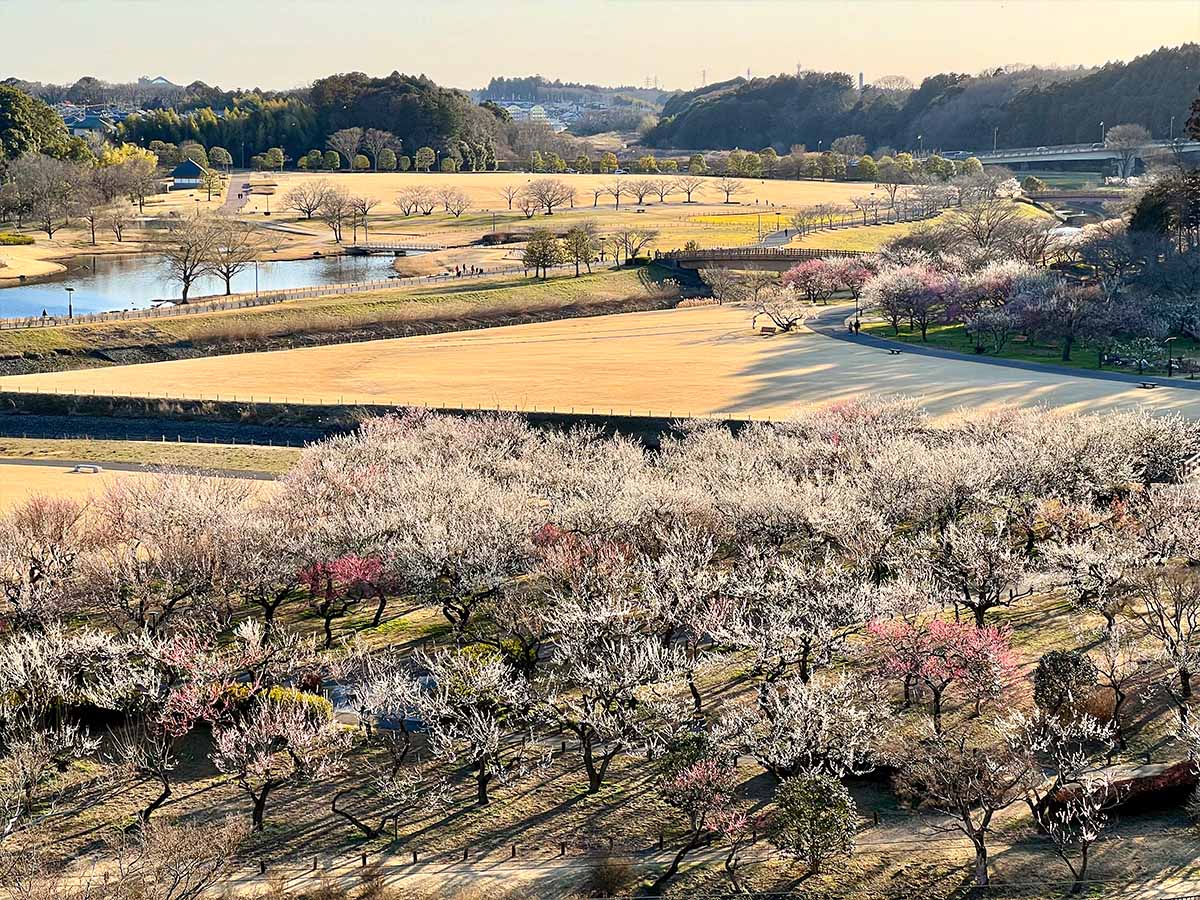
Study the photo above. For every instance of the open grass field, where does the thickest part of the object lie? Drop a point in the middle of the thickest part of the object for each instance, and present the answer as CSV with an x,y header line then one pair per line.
x,y
449,302
697,361
275,460
676,221
19,483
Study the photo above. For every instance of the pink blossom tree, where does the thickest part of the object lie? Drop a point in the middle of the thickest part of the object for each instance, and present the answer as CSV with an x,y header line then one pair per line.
x,y
815,279
945,658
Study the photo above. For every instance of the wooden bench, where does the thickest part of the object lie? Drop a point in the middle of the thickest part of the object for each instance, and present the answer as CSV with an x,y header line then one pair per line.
x,y
768,329
894,351
1148,385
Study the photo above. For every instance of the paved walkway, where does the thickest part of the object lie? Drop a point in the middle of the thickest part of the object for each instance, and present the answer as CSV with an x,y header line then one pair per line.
x,y
831,322
233,203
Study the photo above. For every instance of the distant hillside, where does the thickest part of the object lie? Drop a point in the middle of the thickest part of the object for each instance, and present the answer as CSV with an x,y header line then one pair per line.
x,y
1029,106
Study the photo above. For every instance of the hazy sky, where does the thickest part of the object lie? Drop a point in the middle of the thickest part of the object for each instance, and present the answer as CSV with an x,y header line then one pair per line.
x,y
247,43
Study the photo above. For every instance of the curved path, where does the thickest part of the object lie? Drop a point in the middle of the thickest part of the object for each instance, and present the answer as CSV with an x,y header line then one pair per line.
x,y
831,322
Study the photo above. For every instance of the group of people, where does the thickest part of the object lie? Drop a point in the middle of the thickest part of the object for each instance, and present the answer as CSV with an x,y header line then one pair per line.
x,y
467,271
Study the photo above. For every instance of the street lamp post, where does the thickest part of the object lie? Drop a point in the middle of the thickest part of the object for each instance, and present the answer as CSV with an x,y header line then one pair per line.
x,y
256,279
920,145
1172,129
1102,132
70,303
995,138
1170,361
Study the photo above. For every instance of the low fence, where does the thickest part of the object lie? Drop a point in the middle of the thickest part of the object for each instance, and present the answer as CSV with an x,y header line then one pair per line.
x,y
247,300
761,253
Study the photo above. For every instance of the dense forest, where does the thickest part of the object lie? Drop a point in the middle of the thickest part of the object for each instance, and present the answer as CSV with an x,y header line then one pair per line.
x,y
1015,106
413,108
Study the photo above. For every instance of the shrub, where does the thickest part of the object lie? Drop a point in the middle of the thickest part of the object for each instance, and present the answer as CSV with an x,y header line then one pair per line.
x,y
608,877
1064,678
7,239
317,707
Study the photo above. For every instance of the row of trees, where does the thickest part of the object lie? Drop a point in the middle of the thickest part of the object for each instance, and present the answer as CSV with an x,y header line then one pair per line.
x,y
817,569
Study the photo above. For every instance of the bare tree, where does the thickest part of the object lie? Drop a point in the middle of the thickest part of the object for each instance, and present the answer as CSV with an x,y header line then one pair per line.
x,y
633,240
167,861
549,193
688,185
454,201
346,142
528,204
1128,141
615,189
235,246
117,219
188,251
965,781
867,205
362,206
375,141
641,188
730,186
307,197
336,207
726,287
987,224
510,192
48,187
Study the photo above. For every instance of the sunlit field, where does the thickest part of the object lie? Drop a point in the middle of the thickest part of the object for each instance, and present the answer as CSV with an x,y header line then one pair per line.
x,y
700,361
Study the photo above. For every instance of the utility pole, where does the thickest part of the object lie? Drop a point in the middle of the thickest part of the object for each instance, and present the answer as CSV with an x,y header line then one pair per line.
x,y
995,137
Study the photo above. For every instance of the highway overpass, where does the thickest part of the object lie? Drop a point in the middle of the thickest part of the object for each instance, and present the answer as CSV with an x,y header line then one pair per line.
x,y
1075,153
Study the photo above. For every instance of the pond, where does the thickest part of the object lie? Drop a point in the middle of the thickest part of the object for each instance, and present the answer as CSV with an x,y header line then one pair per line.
x,y
104,283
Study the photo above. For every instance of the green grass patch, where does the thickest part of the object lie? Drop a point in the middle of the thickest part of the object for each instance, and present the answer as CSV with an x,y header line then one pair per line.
x,y
955,337
276,460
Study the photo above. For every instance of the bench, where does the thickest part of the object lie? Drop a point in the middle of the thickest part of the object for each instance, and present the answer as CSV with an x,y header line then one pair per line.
x,y
894,351
767,329
1148,385
87,469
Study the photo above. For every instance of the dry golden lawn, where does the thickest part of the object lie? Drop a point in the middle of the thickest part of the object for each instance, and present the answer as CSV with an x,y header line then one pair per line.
x,y
676,221
19,483
701,361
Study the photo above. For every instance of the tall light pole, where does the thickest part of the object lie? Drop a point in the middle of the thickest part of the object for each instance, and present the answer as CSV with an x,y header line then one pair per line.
x,y
920,145
70,304
1170,361
1172,129
1102,132
995,137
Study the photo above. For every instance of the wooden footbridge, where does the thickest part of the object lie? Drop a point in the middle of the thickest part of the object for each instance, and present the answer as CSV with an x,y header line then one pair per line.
x,y
366,248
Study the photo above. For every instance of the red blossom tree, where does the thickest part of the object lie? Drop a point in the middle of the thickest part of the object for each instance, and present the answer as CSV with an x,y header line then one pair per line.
x,y
337,585
945,657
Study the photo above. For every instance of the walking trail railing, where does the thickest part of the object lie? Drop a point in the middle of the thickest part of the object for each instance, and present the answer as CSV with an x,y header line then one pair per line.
x,y
247,300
